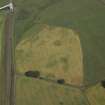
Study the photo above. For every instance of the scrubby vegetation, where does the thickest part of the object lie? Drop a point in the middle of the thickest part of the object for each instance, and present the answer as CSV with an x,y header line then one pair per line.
x,y
61,81
103,84
33,74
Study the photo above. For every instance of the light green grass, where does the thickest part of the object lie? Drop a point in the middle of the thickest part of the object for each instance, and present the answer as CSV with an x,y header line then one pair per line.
x,y
2,74
96,95
39,92
2,19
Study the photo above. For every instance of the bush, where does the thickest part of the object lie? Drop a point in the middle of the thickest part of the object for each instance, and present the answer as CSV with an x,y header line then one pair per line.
x,y
33,74
103,83
61,81
61,103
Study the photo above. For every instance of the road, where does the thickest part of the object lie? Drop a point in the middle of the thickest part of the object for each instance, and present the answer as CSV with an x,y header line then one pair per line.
x,y
8,61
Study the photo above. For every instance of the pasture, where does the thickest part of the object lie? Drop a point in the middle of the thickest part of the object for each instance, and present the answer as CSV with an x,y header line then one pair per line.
x,y
39,92
2,72
96,95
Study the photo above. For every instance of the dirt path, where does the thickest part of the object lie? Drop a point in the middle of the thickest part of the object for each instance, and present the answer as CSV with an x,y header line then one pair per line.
x,y
8,60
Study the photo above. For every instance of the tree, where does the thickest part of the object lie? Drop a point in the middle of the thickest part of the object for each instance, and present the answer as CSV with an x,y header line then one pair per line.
x,y
61,81
103,84
33,74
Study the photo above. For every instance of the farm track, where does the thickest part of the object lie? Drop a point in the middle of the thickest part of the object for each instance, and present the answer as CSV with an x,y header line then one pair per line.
x,y
8,61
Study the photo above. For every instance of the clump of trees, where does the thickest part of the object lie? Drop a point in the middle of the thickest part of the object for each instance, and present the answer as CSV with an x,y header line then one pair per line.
x,y
33,74
61,81
103,83
36,74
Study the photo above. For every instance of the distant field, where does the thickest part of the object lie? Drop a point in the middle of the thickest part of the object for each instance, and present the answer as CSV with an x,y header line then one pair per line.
x,y
39,92
84,16
96,95
55,52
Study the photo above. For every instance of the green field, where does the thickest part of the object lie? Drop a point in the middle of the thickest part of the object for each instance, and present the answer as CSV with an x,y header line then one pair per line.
x,y
39,92
2,73
35,51
96,95
63,39
2,20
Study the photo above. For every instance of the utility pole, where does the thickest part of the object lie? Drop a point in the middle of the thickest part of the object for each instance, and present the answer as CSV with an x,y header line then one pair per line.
x,y
8,57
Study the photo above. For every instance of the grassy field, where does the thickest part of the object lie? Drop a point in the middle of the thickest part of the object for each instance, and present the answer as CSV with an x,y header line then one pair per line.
x,y
84,17
1,30
36,31
96,95
39,92
61,39
2,73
